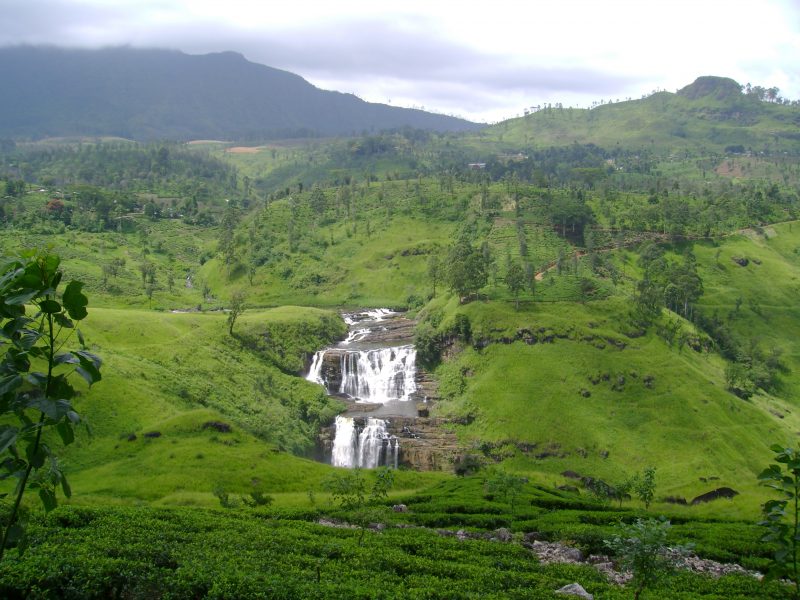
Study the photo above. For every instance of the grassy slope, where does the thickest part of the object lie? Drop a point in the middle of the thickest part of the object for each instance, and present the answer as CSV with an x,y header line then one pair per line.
x,y
687,425
172,373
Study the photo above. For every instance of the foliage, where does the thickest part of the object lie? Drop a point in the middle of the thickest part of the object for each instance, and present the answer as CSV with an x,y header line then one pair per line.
x,y
782,515
466,268
34,377
644,486
506,485
641,547
237,307
350,491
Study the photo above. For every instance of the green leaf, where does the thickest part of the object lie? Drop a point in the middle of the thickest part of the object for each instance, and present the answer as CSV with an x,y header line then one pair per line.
x,y
65,431
65,487
8,436
90,366
62,320
21,297
15,533
10,383
80,339
36,456
50,307
777,448
66,358
48,498
74,301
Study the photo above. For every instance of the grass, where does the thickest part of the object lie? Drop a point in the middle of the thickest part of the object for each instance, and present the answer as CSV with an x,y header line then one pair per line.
x,y
170,376
530,396
279,552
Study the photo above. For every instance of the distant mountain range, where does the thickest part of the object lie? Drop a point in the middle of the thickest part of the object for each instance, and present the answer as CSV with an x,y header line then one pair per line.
x,y
147,94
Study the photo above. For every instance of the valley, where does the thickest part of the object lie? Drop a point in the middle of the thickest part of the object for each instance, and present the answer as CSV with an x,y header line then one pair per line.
x,y
368,346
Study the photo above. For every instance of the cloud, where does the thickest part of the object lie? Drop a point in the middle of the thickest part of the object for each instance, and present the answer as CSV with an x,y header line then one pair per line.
x,y
450,59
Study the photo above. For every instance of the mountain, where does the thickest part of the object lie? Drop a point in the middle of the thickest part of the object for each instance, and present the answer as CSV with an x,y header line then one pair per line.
x,y
710,114
147,94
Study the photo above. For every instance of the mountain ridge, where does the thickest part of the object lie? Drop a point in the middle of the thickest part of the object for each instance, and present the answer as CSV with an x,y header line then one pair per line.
x,y
147,94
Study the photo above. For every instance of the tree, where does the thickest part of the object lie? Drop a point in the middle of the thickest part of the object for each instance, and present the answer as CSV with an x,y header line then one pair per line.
x,y
435,269
317,200
641,547
644,486
515,280
506,485
782,515
466,268
237,308
34,378
349,489
227,237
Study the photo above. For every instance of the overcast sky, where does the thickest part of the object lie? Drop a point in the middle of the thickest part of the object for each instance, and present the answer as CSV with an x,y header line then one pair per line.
x,y
481,60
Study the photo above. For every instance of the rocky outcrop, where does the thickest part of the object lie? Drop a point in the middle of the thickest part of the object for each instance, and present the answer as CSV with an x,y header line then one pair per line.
x,y
723,492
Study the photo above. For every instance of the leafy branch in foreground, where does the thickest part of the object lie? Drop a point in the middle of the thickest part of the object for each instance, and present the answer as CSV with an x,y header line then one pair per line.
x,y
782,516
35,392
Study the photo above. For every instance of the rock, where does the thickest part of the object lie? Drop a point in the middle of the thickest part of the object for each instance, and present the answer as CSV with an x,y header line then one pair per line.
x,y
585,393
531,537
400,508
675,500
570,475
502,535
723,492
740,260
575,589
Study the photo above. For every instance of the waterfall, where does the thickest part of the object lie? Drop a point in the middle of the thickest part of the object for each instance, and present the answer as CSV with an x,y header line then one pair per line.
x,y
367,369
345,444
372,447
379,375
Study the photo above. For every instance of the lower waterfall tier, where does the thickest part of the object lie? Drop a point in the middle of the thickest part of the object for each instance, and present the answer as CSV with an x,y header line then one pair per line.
x,y
370,447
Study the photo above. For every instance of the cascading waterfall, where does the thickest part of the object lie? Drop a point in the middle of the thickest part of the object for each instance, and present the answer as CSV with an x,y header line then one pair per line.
x,y
363,368
372,447
379,375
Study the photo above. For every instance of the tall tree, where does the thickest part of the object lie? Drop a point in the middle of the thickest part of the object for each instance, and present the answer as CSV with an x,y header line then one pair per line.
x,y
466,268
515,280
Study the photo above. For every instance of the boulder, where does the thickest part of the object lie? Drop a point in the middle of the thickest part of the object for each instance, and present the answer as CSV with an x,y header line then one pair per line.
x,y
575,589
723,492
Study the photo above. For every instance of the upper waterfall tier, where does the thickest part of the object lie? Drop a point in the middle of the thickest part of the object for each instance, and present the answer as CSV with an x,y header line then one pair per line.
x,y
366,366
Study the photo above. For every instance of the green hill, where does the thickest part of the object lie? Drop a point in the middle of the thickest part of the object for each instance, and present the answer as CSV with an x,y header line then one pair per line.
x,y
708,115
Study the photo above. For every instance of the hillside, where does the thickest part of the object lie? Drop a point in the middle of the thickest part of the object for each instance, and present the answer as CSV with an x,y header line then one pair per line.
x,y
709,115
162,94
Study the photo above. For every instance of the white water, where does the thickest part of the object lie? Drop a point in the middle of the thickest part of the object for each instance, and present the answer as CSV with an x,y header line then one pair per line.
x,y
379,375
377,315
345,444
372,447
369,374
